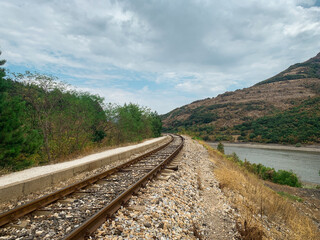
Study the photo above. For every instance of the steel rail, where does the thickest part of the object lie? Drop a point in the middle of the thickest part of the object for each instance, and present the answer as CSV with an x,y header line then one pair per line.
x,y
90,225
31,206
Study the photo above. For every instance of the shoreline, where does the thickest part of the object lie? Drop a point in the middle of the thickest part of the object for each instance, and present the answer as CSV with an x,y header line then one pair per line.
x,y
309,148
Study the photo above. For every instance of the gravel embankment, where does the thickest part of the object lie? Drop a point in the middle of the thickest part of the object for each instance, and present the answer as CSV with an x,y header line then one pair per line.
x,y
185,204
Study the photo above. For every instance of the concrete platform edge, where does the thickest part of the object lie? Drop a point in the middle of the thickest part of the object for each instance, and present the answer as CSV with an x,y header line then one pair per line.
x,y
19,189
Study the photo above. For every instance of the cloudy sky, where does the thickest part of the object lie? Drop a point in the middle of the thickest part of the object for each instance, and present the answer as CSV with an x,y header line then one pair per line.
x,y
158,53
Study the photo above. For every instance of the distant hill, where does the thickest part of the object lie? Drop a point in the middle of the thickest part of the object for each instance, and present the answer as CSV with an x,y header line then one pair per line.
x,y
308,69
220,118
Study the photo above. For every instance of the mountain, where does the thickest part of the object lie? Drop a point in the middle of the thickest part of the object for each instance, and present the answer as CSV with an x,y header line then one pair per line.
x,y
291,93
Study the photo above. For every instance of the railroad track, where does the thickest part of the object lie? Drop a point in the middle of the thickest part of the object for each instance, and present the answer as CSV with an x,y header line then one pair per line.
x,y
76,211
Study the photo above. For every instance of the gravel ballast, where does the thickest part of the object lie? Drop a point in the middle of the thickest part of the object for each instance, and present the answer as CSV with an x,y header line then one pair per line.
x,y
183,204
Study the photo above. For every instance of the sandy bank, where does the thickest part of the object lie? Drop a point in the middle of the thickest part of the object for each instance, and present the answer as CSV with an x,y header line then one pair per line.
x,y
309,148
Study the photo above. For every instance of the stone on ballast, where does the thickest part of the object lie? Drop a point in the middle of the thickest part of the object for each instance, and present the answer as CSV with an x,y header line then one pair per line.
x,y
38,233
138,208
147,225
169,208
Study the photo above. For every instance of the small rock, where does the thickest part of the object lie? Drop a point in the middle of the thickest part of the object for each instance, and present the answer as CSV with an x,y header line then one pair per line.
x,y
38,233
147,225
160,225
120,228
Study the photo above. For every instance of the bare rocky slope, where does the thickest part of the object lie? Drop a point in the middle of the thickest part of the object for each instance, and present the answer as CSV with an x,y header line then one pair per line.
x,y
215,118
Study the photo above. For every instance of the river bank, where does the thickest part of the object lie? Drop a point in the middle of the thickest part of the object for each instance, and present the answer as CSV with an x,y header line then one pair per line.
x,y
271,146
267,210
304,161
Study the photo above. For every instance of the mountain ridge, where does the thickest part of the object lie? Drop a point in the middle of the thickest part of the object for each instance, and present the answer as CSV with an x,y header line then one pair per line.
x,y
218,116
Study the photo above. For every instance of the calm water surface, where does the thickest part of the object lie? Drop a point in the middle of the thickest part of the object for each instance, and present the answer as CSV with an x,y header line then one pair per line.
x,y
305,164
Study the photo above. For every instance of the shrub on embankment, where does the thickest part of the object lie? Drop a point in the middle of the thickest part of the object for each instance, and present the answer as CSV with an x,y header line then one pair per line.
x,y
42,120
266,173
263,213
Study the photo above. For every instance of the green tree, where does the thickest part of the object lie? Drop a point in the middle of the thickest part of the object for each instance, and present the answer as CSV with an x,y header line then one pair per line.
x,y
17,141
42,120
78,120
134,123
43,93
130,122
156,124
68,120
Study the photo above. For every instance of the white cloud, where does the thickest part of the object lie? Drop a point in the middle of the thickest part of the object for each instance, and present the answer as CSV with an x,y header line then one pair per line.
x,y
143,96
192,49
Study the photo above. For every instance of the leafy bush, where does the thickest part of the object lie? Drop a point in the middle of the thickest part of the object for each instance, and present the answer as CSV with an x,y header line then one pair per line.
x,y
197,138
220,147
266,173
286,178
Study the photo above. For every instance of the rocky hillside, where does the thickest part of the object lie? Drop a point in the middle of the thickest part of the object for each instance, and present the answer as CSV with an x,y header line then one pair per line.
x,y
216,118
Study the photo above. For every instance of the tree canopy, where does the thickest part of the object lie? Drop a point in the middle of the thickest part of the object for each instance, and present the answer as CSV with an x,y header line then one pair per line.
x,y
42,120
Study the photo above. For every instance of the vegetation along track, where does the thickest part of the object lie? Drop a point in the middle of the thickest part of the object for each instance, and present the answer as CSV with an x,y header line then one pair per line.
x,y
75,211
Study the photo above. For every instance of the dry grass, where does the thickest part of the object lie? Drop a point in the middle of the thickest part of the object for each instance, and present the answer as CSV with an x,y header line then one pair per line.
x,y
263,213
95,148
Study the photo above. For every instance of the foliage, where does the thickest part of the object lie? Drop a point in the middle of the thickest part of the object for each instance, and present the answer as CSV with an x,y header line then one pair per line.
x,y
298,125
286,178
289,196
200,117
220,147
201,121
266,173
197,138
156,124
43,120
17,141
135,123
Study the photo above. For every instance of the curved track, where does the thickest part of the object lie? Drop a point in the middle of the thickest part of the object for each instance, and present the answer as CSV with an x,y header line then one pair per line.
x,y
74,212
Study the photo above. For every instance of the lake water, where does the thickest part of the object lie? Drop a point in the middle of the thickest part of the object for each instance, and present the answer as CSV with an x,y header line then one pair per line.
x,y
305,164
